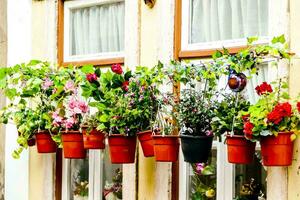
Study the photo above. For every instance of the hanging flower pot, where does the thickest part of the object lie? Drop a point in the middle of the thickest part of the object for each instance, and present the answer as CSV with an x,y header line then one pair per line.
x,y
196,149
73,145
44,142
166,148
277,151
122,148
94,139
146,143
239,149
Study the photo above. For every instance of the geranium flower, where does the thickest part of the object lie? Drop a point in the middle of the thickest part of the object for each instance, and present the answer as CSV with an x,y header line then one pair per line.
x,y
83,107
92,77
72,103
117,68
298,106
69,123
248,126
125,85
245,118
274,117
264,88
70,86
47,84
280,111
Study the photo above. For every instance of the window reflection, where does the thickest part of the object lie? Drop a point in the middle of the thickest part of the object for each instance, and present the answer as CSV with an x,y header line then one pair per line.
x,y
79,170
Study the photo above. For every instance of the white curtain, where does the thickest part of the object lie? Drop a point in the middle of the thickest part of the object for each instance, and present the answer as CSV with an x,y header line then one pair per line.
x,y
214,20
97,29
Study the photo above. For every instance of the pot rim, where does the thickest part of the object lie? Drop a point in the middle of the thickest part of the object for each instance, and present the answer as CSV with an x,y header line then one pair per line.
x,y
146,131
165,136
235,136
120,135
71,132
196,137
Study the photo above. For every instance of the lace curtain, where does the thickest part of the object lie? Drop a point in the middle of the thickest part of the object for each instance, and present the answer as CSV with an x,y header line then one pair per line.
x,y
97,29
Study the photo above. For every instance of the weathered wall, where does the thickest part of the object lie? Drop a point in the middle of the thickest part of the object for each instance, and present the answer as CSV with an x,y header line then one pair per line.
x,y
294,170
42,167
157,26
3,60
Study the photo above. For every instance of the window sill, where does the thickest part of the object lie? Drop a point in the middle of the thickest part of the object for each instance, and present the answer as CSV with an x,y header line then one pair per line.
x,y
95,62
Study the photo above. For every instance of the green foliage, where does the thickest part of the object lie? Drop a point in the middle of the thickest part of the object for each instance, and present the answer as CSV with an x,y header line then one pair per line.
x,y
229,113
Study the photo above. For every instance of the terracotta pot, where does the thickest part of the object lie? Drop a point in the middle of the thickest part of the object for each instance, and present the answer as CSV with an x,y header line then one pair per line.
x,y
146,142
239,149
73,145
166,148
196,149
44,142
122,148
277,151
94,139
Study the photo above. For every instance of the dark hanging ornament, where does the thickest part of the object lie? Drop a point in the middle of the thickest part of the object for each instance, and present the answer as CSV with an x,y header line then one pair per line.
x,y
236,81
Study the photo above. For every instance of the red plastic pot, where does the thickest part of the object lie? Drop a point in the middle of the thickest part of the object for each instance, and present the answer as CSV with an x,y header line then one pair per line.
x,y
146,142
94,139
277,151
166,148
73,145
239,149
122,148
44,142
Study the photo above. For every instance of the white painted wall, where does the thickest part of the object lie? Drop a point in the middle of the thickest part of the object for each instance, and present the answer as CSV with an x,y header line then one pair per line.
x,y
19,50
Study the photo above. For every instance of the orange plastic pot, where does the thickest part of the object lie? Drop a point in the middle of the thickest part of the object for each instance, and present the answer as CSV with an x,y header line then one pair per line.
x,y
146,142
73,145
122,148
94,139
44,142
239,149
277,151
166,148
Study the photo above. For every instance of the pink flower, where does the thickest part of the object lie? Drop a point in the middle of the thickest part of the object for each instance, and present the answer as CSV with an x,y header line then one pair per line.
x,y
117,68
199,168
70,86
47,83
91,77
73,104
54,90
57,120
83,106
69,123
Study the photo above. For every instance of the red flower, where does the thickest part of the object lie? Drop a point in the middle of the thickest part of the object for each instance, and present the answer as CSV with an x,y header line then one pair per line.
x,y
274,117
263,88
125,85
91,77
248,126
298,106
117,68
245,118
280,111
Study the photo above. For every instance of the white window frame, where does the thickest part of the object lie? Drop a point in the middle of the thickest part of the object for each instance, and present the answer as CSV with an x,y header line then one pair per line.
x,y
185,33
68,6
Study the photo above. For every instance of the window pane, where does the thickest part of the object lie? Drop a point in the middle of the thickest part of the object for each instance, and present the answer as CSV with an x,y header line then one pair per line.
x,y
79,171
215,20
112,178
202,180
250,181
97,29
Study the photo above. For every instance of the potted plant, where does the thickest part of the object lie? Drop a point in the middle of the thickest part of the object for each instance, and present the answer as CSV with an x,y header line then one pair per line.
x,y
24,84
273,120
117,114
142,93
70,111
92,138
229,120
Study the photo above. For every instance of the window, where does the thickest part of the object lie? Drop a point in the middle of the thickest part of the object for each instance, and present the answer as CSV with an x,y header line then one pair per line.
x,y
93,178
91,31
205,25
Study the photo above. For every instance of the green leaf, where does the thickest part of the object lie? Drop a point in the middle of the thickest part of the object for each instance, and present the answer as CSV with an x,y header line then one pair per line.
x,y
250,40
88,69
11,93
103,118
98,72
217,54
127,75
279,39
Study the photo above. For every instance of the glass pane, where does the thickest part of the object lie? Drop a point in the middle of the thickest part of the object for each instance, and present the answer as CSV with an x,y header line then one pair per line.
x,y
216,20
250,181
202,180
79,174
97,29
112,178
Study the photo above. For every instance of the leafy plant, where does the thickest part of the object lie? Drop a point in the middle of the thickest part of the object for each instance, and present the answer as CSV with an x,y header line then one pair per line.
x,y
228,114
273,113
